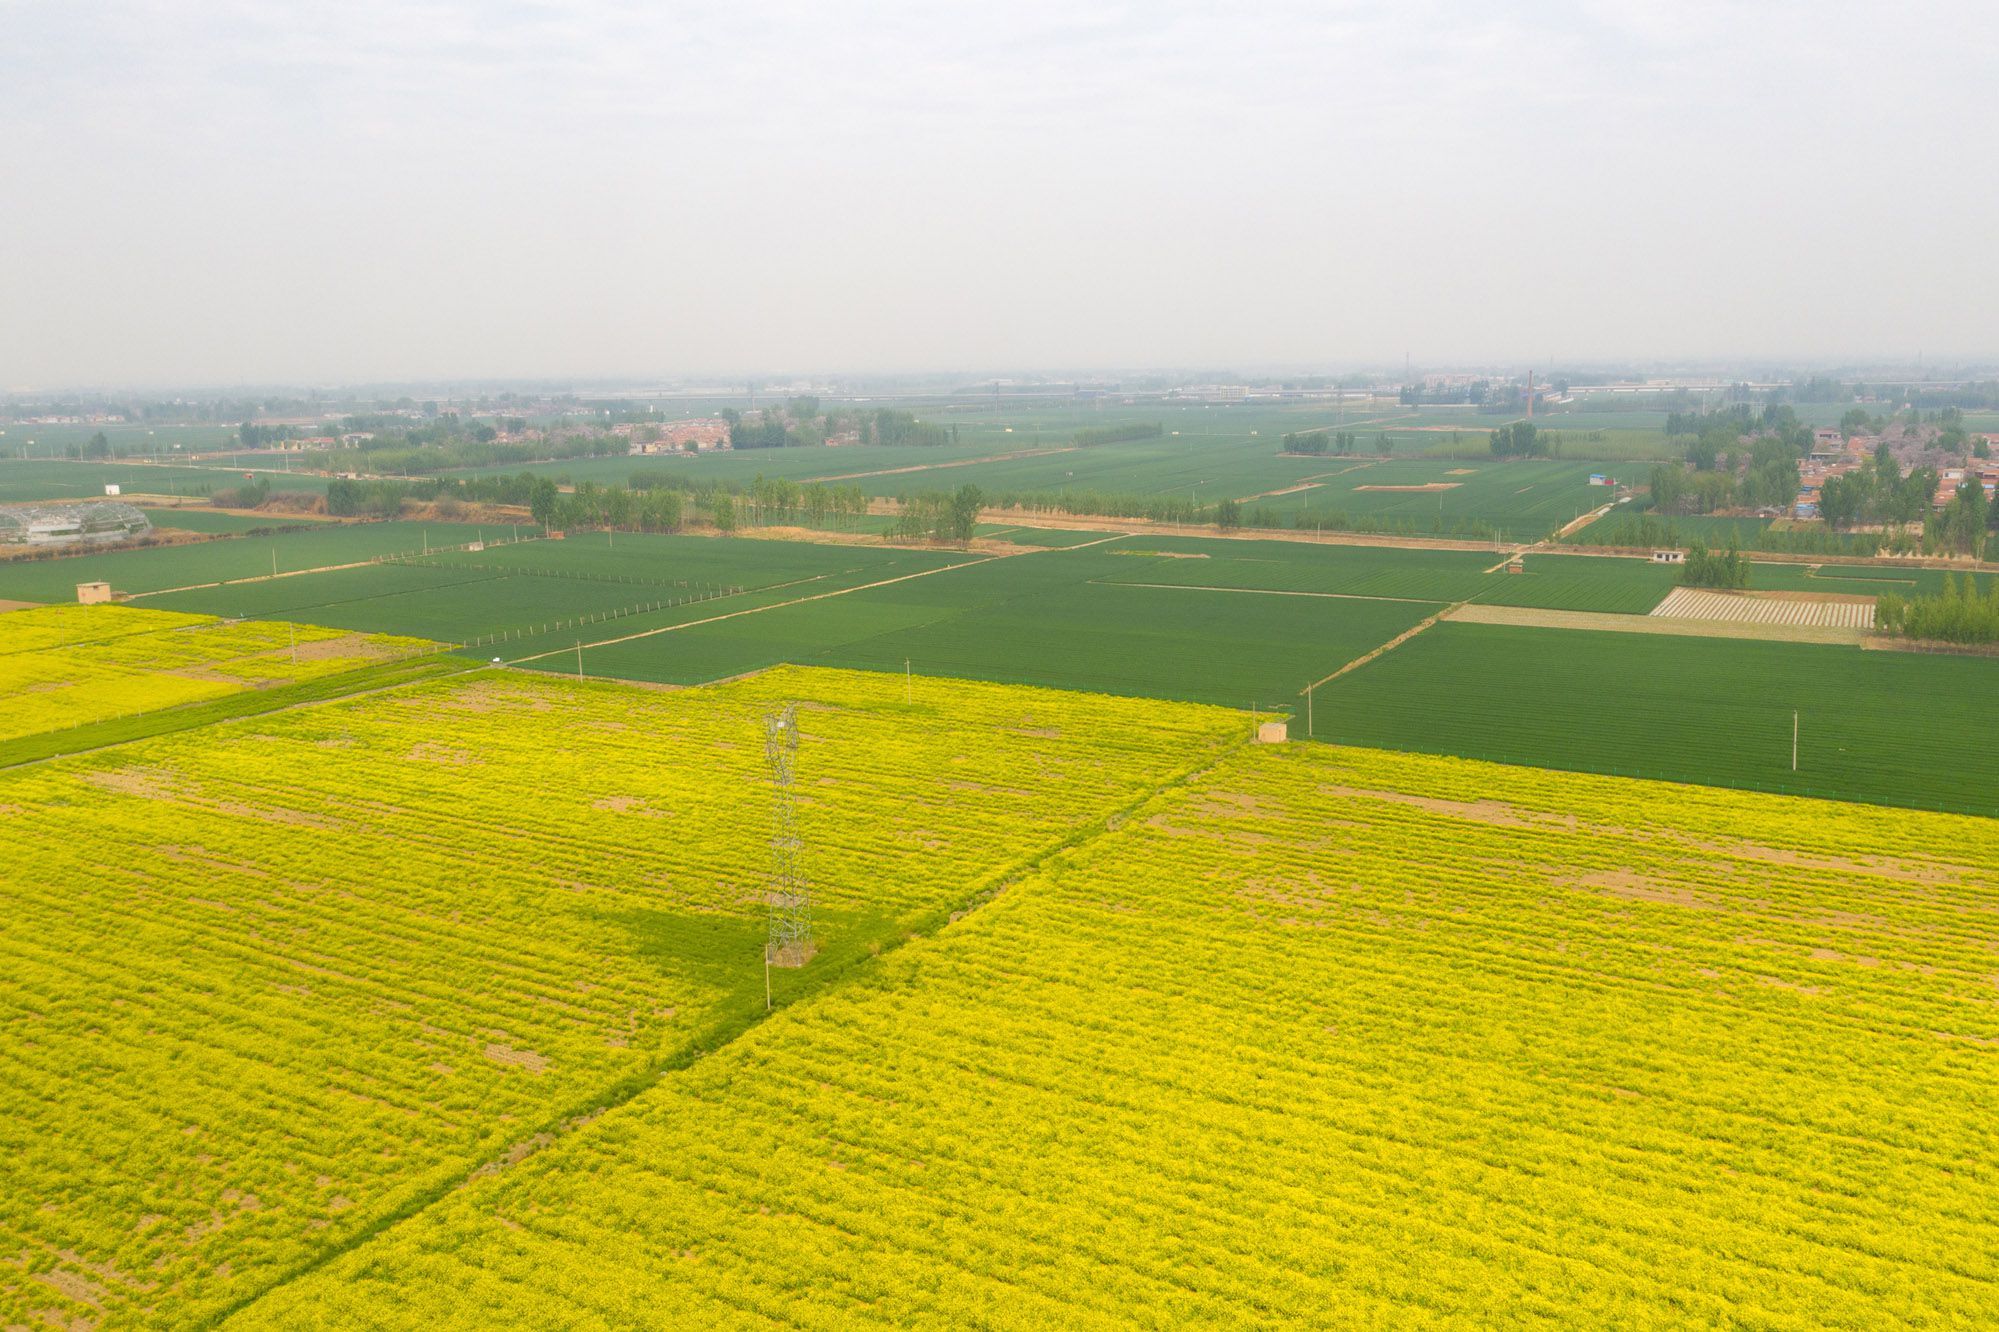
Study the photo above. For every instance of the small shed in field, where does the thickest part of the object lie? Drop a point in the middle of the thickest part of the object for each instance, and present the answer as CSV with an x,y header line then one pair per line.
x,y
92,594
1669,557
1273,732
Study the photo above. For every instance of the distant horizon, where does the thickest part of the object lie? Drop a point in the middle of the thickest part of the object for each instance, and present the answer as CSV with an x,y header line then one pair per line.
x,y
276,194
1723,370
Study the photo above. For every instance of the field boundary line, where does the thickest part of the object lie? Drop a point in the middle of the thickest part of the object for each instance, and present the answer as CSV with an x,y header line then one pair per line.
x,y
935,467
1385,648
726,1030
1144,527
441,656
818,596
1272,591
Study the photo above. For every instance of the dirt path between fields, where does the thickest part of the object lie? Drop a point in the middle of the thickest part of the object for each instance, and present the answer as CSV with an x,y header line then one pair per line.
x,y
328,568
1312,482
1551,545
1138,527
1385,648
1267,591
1538,618
722,1031
938,467
1023,553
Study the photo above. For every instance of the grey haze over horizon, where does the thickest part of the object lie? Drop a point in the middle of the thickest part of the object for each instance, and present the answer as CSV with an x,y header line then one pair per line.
x,y
249,192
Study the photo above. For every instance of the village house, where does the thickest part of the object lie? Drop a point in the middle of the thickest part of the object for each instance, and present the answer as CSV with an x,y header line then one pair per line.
x,y
700,435
1950,478
1812,475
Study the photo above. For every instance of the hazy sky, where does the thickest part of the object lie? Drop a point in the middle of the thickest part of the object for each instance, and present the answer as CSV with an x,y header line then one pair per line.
x,y
235,191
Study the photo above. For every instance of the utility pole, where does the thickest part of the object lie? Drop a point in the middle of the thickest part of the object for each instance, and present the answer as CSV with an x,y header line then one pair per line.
x,y
788,942
1308,709
292,629
908,683
579,659
1794,741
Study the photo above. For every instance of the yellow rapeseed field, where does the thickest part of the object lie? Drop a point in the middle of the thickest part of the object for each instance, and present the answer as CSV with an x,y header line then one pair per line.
x,y
1318,1038
63,666
265,986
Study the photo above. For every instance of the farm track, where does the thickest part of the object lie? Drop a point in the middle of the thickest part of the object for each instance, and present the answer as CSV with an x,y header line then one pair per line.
x,y
1081,523
277,706
1269,591
1385,648
799,601
1654,623
938,467
1312,482
288,573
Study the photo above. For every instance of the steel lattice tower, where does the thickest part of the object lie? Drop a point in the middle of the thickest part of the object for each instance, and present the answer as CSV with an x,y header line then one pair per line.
x,y
789,943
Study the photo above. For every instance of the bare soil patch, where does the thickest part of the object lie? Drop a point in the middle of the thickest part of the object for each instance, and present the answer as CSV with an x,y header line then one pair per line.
x,y
961,462
1638,888
1483,811
506,1054
1539,618
1286,490
146,783
1426,486
347,645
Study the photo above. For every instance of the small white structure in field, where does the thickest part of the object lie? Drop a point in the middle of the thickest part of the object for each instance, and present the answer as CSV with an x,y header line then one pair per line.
x,y
1669,557
92,594
111,487
1273,732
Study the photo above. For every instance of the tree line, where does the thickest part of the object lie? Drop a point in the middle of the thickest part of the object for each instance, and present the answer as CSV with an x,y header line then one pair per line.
x,y
1706,568
942,515
1316,442
1957,614
1521,439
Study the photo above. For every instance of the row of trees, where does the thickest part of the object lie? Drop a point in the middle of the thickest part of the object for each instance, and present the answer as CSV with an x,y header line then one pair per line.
x,y
1960,527
1705,568
377,498
1519,440
1340,442
1957,614
1768,479
1877,493
1650,531
900,429
97,446
614,507
418,453
943,515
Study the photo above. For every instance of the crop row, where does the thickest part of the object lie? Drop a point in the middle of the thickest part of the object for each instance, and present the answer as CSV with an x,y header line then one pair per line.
x,y
138,661
265,986
1890,727
1379,1038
